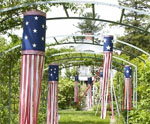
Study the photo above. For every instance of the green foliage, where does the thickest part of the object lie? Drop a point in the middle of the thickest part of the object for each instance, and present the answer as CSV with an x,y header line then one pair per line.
x,y
65,93
133,36
89,26
140,114
9,81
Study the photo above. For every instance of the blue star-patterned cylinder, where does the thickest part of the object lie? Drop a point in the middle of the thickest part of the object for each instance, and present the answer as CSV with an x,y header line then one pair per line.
x,y
53,73
128,71
108,44
76,78
101,74
89,80
34,29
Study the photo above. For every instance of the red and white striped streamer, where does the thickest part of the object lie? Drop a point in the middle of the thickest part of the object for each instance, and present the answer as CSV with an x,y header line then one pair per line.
x,y
127,99
31,77
76,95
89,97
52,113
100,89
105,86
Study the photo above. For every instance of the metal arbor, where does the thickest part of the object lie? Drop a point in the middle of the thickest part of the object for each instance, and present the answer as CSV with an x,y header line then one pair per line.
x,y
93,9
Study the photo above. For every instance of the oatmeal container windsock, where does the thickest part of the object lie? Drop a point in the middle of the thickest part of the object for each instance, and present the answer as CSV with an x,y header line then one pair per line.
x,y
107,52
52,104
32,62
76,95
127,99
89,93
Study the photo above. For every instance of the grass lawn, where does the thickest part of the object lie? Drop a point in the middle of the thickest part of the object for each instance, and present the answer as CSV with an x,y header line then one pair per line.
x,y
81,117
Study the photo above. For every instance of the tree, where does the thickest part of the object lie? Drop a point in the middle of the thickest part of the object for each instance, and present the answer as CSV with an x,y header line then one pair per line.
x,y
133,36
89,26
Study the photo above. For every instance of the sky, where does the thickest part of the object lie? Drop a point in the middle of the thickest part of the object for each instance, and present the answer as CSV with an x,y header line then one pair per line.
x,y
66,27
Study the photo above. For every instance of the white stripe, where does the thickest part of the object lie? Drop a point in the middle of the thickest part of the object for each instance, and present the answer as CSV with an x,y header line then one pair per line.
x,y
27,75
32,73
37,77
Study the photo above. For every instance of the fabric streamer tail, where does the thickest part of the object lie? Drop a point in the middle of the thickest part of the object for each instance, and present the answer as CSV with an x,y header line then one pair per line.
x,y
52,115
108,48
76,95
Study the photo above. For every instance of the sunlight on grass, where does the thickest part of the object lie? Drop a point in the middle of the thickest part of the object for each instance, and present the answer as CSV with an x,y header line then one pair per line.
x,y
81,117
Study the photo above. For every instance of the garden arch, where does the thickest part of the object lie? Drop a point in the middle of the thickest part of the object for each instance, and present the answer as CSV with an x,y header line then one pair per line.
x,y
63,2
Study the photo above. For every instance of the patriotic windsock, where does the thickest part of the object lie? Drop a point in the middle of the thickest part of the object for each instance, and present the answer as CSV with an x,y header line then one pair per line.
x,y
89,93
76,95
101,83
52,104
127,100
107,51
33,48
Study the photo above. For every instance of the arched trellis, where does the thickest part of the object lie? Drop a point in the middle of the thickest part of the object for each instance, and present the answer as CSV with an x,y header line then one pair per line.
x,y
92,3
18,46
92,44
100,43
123,9
65,64
88,57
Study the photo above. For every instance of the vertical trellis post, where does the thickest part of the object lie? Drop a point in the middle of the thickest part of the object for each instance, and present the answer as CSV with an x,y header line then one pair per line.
x,y
9,93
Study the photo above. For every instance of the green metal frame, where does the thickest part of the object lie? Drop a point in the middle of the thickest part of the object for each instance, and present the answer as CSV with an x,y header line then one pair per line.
x,y
126,52
92,3
101,20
